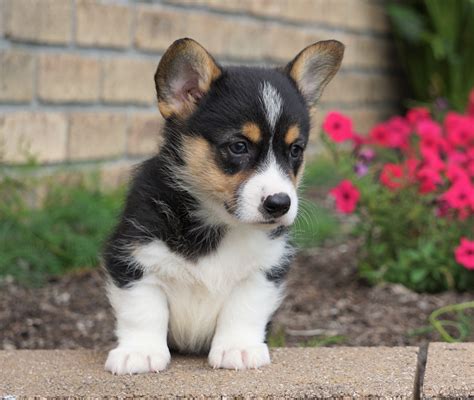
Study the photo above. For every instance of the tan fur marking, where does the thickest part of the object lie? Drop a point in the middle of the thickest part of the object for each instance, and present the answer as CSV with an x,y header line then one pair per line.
x,y
292,134
330,55
201,61
252,132
206,176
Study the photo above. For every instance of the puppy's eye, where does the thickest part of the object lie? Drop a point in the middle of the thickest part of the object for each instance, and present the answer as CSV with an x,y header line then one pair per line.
x,y
238,148
295,151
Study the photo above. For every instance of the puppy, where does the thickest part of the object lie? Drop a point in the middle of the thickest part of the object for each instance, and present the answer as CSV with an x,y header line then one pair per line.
x,y
198,259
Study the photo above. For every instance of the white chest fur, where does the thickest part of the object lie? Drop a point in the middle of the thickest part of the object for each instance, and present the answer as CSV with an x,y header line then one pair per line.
x,y
197,291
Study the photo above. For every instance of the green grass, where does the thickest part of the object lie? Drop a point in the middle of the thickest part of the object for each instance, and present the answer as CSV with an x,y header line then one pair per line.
x,y
65,234
322,341
321,173
277,339
315,225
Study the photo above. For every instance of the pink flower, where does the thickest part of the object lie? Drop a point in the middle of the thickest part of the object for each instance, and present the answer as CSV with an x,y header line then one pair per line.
x,y
380,135
357,139
392,176
470,106
452,120
470,153
346,195
454,172
417,114
338,126
430,146
460,195
442,209
411,166
470,168
428,179
464,253
398,131
431,137
457,157
433,161
394,133
460,129
429,128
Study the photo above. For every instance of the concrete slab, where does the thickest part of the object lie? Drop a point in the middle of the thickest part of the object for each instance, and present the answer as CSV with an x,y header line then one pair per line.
x,y
379,372
449,372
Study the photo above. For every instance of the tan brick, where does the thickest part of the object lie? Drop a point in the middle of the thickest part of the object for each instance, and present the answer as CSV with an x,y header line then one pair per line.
x,y
361,87
16,77
363,15
159,26
316,373
368,52
449,372
128,81
68,78
46,21
96,135
2,17
144,134
102,24
39,136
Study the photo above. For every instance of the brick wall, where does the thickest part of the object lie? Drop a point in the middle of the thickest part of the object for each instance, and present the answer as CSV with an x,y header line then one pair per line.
x,y
76,76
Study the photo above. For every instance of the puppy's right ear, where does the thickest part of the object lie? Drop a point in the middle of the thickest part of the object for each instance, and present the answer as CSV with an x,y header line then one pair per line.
x,y
183,76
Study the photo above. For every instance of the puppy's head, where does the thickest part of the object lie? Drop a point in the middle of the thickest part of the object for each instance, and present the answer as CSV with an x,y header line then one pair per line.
x,y
241,132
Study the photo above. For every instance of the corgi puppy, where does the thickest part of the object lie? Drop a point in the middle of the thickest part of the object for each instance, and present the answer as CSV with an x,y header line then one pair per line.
x,y
198,259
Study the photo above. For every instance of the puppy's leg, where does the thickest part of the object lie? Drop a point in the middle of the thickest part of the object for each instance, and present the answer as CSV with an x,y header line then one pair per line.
x,y
238,342
142,327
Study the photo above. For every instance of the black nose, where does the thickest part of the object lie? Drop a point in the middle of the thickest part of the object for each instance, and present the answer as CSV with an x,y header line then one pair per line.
x,y
277,205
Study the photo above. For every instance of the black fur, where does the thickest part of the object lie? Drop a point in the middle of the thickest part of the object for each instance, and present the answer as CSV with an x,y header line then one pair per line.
x,y
278,273
158,208
235,99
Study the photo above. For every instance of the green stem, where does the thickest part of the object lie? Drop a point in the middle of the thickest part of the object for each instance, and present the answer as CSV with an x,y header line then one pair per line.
x,y
439,325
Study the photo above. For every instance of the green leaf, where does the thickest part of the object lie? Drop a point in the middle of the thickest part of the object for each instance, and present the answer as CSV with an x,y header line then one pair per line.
x,y
409,24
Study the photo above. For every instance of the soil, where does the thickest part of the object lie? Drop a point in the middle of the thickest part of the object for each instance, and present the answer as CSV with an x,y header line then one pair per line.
x,y
325,299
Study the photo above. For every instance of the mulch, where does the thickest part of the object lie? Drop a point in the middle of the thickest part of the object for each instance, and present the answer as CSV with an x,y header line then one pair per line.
x,y
325,298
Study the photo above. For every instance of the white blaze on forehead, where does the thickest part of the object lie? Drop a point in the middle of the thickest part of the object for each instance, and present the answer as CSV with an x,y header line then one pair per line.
x,y
272,103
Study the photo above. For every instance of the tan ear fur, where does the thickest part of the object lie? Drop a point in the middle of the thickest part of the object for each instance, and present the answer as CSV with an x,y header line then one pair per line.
x,y
184,75
313,68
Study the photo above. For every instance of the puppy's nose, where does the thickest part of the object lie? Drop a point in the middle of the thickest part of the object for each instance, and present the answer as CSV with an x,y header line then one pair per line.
x,y
277,205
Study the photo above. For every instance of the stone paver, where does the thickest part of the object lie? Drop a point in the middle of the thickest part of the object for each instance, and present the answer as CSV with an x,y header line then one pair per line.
x,y
449,372
295,372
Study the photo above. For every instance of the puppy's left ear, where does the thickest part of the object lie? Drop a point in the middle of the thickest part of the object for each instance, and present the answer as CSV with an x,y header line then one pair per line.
x,y
184,75
314,67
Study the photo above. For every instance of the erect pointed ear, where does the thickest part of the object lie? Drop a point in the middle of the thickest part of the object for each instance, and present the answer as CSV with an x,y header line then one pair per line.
x,y
314,67
183,76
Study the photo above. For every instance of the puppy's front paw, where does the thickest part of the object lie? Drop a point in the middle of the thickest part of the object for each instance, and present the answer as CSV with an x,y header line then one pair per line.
x,y
129,361
241,357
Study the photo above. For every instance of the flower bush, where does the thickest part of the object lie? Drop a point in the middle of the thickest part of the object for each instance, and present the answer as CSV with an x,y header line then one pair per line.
x,y
411,183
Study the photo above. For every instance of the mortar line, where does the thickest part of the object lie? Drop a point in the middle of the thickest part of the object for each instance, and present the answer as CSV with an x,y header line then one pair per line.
x,y
375,105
